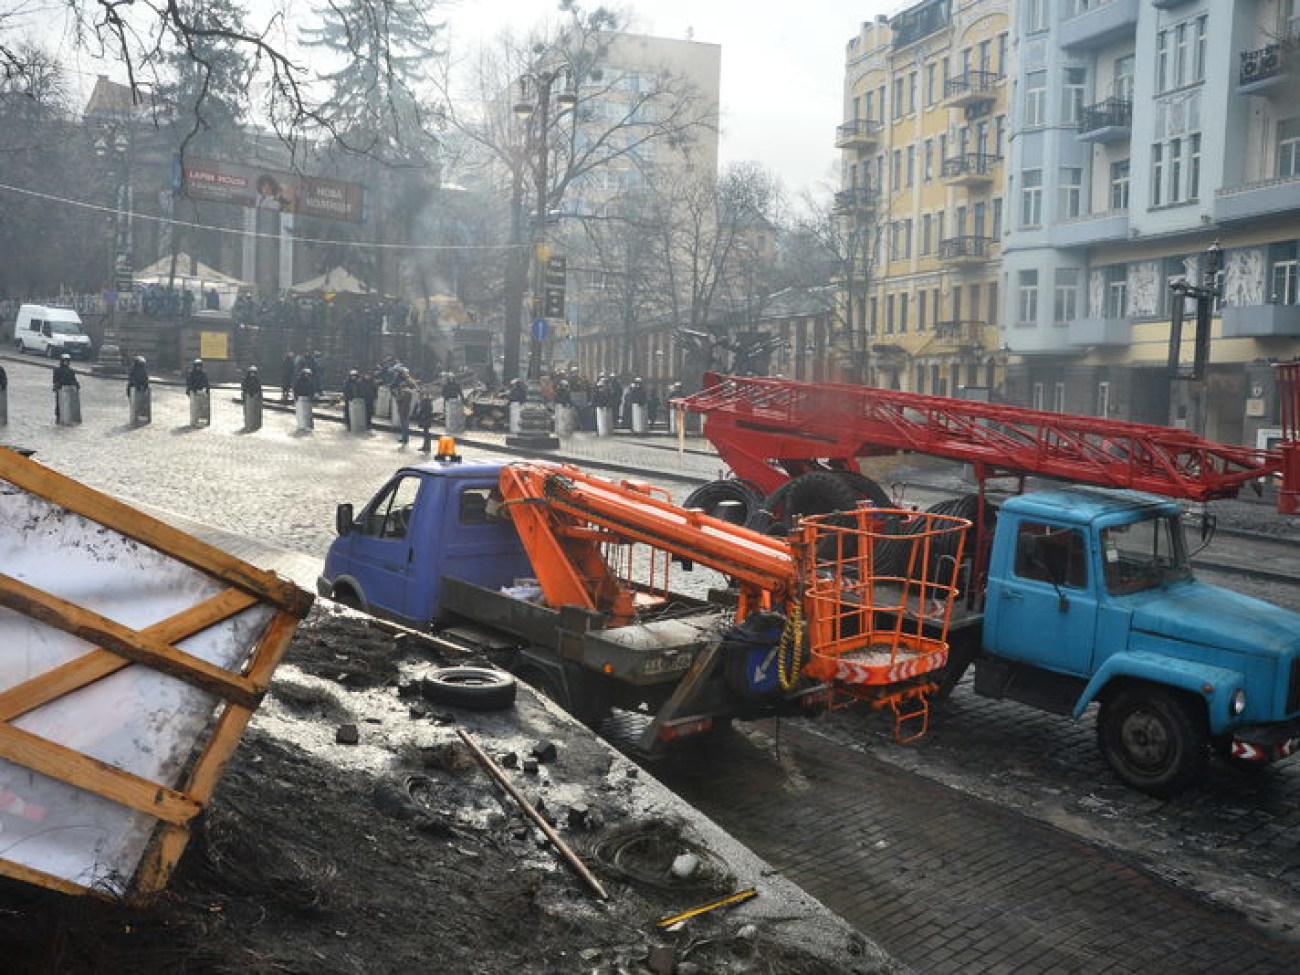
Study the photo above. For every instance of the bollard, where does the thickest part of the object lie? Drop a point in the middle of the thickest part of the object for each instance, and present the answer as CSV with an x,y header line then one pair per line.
x,y
454,415
357,415
639,418
383,401
604,421
69,406
200,408
516,417
252,413
141,405
302,410
566,421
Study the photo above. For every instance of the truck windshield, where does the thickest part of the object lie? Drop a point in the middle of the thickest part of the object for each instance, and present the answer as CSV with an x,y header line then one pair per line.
x,y
65,328
1144,554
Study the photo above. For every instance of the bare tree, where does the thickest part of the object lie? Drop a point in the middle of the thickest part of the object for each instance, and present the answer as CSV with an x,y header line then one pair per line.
x,y
713,271
849,236
557,149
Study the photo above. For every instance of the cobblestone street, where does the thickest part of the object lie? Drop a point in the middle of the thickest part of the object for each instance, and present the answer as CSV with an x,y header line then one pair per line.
x,y
1018,798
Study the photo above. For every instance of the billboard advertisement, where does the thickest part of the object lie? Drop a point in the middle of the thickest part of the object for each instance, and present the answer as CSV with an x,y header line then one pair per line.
x,y
268,189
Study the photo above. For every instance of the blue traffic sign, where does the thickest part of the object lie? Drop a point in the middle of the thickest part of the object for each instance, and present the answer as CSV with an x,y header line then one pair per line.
x,y
539,329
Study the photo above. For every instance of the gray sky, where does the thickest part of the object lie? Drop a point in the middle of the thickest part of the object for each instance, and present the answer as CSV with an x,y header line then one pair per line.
x,y
782,68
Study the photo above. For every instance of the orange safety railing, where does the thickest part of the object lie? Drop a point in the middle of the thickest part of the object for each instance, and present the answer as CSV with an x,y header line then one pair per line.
x,y
878,601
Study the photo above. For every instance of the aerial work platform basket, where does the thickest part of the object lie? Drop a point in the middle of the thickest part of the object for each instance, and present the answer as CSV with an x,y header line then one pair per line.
x,y
878,604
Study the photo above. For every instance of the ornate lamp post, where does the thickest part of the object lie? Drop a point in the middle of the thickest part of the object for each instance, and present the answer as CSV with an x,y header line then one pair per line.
x,y
538,109
114,146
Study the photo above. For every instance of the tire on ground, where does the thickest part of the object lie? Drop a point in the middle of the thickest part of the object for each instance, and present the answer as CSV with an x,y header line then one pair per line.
x,y
472,688
709,497
1154,738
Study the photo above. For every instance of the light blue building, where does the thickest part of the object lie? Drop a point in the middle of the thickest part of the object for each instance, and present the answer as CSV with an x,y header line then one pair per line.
x,y
1144,132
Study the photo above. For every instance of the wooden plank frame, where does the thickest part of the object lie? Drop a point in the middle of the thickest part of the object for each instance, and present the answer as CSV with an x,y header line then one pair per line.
x,y
153,647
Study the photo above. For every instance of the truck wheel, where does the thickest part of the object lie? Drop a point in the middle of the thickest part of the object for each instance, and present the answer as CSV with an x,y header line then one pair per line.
x,y
1155,740
345,596
472,688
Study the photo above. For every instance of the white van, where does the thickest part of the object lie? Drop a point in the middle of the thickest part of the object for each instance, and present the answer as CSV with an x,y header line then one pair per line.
x,y
50,331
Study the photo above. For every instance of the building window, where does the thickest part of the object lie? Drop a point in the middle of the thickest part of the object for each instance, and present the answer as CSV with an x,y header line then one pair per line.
x,y
911,165
1072,95
929,160
1035,97
979,219
1103,400
898,98
1194,166
999,134
1157,174
920,379
1116,291
956,302
1035,16
1285,273
1028,284
1119,185
931,73
1002,55
896,171
911,93
1288,147
907,238
902,312
996,231
1162,62
926,221
1058,398
1065,308
1037,396
1031,198
1071,192
993,304
871,105
875,315
1199,49
889,315
921,310
1122,87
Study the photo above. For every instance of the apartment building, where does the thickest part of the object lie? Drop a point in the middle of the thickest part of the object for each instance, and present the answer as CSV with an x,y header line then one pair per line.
x,y
924,140
1144,133
640,75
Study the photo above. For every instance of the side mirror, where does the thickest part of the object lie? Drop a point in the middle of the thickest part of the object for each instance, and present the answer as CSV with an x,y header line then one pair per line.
x,y
343,519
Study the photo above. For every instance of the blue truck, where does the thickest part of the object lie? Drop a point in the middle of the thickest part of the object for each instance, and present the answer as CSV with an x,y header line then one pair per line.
x,y
1090,599
434,551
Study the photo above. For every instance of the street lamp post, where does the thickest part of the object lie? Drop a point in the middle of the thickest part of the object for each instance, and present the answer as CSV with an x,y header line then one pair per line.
x,y
114,146
536,422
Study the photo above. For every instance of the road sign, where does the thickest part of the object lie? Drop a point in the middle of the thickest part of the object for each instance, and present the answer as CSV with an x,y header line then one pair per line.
x,y
553,303
539,329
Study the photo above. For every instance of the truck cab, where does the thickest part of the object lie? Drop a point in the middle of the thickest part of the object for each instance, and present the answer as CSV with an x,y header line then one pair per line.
x,y
1091,599
429,520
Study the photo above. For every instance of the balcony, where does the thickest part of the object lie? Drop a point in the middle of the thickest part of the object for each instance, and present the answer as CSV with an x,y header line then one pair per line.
x,y
858,199
920,21
1256,201
958,336
1104,23
970,169
1264,69
860,133
1107,121
1100,331
1096,228
971,88
965,251
1261,321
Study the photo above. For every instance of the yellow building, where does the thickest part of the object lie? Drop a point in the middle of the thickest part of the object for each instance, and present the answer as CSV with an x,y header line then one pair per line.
x,y
924,139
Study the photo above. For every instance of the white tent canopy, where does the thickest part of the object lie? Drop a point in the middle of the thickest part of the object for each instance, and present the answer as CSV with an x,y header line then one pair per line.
x,y
188,271
337,280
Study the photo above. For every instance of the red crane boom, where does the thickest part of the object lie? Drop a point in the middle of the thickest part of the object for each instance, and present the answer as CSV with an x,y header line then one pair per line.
x,y
768,430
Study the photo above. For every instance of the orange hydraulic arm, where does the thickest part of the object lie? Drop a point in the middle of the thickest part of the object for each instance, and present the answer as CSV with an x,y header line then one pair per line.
x,y
568,519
